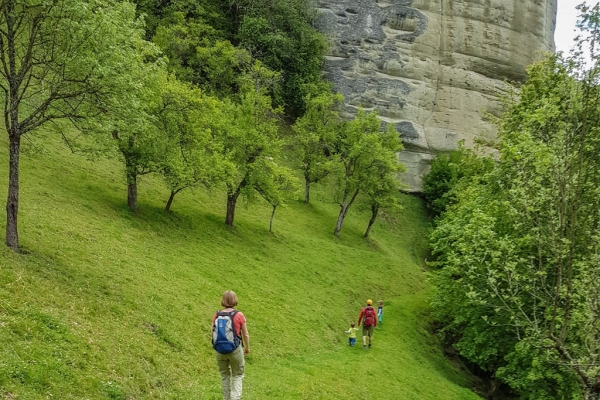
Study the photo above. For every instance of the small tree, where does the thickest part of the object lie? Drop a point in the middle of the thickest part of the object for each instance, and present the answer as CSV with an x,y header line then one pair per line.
x,y
364,150
191,156
275,184
249,136
141,151
383,188
60,59
136,131
314,139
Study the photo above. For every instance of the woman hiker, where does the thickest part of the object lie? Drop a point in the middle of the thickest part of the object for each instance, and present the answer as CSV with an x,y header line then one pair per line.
x,y
230,341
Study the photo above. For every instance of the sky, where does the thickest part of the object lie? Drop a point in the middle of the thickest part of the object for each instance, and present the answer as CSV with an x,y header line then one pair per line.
x,y
565,24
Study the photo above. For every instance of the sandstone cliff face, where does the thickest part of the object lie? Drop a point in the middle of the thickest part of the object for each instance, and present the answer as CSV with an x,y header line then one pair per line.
x,y
432,67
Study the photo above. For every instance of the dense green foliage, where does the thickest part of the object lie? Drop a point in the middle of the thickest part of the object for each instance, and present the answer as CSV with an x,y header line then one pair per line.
x,y
441,184
518,253
280,33
211,43
108,305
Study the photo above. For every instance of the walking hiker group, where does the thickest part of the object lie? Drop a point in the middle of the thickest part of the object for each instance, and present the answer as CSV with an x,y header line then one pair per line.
x,y
231,340
369,318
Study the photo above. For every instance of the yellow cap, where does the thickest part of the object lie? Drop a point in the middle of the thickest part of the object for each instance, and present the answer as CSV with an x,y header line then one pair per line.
x,y
369,302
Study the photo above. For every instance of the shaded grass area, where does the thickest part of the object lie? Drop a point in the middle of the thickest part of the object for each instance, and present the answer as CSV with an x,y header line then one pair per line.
x,y
110,305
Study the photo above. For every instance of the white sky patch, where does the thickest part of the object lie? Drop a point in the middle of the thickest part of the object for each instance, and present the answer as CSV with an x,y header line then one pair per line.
x,y
566,18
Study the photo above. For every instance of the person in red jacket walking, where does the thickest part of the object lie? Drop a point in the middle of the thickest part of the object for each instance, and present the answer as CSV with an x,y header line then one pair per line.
x,y
369,319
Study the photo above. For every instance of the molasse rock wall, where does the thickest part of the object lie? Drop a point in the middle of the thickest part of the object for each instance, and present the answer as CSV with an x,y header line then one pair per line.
x,y
433,68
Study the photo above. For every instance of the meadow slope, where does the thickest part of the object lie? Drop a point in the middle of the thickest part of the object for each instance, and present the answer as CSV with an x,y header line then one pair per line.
x,y
108,305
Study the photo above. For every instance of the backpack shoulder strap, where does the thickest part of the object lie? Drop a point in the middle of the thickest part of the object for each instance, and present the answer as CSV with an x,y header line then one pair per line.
x,y
222,313
233,314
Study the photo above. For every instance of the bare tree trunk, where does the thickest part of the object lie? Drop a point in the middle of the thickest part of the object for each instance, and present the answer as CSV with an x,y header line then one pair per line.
x,y
271,221
232,196
171,197
374,212
492,388
235,18
132,190
12,202
307,191
344,207
231,201
170,201
592,393
11,121
340,220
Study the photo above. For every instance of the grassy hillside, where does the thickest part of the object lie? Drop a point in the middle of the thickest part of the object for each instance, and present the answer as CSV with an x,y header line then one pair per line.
x,y
107,305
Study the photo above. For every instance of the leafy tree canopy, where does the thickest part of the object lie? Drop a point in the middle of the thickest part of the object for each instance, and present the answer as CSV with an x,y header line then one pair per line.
x,y
209,42
315,136
64,60
367,155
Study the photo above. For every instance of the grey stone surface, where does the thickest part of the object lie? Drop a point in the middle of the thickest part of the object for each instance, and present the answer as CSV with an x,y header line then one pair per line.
x,y
433,68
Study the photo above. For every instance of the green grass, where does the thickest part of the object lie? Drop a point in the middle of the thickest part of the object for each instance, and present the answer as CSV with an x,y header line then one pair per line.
x,y
108,305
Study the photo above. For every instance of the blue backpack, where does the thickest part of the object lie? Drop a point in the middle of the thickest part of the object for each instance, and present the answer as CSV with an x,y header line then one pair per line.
x,y
224,338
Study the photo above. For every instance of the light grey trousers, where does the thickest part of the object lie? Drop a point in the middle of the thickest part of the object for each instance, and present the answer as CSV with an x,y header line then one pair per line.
x,y
231,368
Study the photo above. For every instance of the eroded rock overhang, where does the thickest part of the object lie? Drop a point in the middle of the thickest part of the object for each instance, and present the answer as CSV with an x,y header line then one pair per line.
x,y
433,68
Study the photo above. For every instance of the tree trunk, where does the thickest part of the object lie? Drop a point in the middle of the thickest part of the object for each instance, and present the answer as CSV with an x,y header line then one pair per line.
x,y
592,393
12,202
307,191
491,388
235,20
340,220
11,122
171,197
344,207
231,201
132,190
272,217
170,201
232,196
374,212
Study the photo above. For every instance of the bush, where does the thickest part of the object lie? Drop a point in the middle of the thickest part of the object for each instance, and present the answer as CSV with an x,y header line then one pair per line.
x,y
447,172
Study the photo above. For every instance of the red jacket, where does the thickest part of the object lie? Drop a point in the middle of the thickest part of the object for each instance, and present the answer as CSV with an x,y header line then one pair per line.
x,y
362,314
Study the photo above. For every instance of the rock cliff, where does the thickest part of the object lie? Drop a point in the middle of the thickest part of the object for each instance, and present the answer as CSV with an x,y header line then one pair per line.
x,y
432,67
